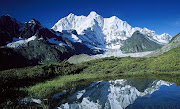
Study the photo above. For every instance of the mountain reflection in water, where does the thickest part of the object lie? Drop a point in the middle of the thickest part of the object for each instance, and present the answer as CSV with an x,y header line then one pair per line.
x,y
119,94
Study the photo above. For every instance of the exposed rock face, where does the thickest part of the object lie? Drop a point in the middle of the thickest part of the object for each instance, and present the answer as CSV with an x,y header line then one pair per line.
x,y
30,28
139,42
9,28
36,43
73,35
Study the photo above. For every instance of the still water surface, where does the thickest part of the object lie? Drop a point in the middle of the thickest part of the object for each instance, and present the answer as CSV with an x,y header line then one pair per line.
x,y
121,94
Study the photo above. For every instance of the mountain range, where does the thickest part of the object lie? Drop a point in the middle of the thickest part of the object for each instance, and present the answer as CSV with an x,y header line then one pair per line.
x,y
175,42
118,94
108,33
139,42
34,43
71,35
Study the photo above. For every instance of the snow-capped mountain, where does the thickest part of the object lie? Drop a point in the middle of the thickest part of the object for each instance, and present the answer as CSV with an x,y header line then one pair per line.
x,y
33,44
139,42
96,31
175,42
116,94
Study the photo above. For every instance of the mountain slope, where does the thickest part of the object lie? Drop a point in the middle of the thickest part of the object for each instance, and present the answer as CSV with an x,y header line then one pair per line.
x,y
139,43
96,31
175,42
9,28
72,35
11,59
36,44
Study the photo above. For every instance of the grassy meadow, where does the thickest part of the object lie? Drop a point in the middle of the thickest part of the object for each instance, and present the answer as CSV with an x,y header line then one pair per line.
x,y
44,80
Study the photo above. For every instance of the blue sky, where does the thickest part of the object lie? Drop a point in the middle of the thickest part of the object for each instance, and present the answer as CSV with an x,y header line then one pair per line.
x,y
163,16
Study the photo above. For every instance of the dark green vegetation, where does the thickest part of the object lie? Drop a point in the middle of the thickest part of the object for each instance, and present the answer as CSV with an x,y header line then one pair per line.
x,y
45,80
13,79
139,43
10,59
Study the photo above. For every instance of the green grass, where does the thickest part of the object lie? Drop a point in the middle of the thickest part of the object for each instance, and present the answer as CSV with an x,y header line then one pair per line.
x,y
11,81
45,80
47,89
166,64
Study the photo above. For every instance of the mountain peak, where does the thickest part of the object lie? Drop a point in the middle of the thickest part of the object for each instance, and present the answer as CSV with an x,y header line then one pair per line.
x,y
114,18
70,15
109,30
34,22
137,32
93,13
166,34
7,17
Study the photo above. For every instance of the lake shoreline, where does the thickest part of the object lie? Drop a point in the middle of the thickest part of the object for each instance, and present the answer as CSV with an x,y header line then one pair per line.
x,y
38,91
44,80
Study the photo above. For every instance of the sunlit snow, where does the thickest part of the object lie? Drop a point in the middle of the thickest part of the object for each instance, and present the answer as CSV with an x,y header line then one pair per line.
x,y
19,42
104,32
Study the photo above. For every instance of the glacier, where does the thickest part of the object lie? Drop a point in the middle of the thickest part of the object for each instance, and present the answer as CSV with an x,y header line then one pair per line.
x,y
106,33
20,42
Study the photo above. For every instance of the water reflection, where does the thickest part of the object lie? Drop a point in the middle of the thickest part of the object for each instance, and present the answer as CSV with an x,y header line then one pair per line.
x,y
118,94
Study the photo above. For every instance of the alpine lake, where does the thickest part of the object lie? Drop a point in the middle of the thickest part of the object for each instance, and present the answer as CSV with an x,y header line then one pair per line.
x,y
128,93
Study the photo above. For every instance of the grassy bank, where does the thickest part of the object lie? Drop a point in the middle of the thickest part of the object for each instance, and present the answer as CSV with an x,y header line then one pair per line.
x,y
167,64
47,89
45,80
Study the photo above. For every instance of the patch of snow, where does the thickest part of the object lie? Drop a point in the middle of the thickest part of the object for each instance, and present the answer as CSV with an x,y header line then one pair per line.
x,y
161,39
72,37
79,95
40,38
55,41
118,53
29,100
20,42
